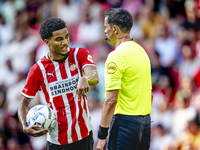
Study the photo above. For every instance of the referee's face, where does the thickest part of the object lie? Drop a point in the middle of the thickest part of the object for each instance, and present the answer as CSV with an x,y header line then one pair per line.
x,y
109,32
59,43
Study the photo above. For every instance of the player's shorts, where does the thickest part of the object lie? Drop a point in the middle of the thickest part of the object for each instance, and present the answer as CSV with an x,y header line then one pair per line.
x,y
84,144
129,133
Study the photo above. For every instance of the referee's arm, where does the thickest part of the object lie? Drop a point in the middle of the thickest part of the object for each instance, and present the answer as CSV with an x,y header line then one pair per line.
x,y
109,107
107,114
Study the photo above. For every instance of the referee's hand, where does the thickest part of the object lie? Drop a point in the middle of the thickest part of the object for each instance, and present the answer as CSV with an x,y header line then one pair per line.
x,y
101,144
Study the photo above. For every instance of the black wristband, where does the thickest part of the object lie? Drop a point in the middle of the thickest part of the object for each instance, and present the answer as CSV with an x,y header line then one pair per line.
x,y
102,132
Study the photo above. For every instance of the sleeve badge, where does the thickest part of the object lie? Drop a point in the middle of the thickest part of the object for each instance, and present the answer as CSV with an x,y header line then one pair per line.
x,y
90,58
111,68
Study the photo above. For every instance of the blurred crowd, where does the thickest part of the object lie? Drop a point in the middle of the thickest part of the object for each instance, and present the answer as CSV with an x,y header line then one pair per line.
x,y
168,30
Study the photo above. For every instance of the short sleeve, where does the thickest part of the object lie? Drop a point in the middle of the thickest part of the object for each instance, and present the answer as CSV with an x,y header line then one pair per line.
x,y
85,58
113,71
32,83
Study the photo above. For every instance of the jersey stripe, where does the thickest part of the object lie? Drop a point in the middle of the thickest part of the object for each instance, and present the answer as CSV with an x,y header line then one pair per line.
x,y
85,104
66,110
73,114
75,128
81,117
57,71
44,86
69,120
45,91
62,119
76,61
67,105
50,72
62,68
83,127
73,71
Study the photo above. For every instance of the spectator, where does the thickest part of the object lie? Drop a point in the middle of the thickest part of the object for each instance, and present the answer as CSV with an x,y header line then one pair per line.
x,y
71,9
183,109
162,138
191,20
8,11
5,31
190,63
167,46
190,138
89,30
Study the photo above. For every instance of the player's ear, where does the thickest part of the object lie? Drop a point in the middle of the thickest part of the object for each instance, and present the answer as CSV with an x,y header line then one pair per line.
x,y
46,41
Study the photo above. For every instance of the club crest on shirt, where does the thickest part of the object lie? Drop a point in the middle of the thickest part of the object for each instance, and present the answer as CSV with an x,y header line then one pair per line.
x,y
72,67
90,58
111,67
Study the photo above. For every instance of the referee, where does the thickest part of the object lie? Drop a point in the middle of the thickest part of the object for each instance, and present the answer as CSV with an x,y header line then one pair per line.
x,y
127,105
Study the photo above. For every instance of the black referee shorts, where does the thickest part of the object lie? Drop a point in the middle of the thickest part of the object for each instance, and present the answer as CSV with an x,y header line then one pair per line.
x,y
84,144
129,133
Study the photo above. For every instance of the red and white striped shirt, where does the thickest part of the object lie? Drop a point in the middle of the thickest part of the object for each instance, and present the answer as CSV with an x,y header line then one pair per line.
x,y
58,83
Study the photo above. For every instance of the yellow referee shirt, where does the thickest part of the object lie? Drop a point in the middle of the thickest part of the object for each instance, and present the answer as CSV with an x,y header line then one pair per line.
x,y
128,69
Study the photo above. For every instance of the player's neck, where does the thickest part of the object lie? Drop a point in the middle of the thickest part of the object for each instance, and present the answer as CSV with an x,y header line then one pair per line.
x,y
57,57
123,38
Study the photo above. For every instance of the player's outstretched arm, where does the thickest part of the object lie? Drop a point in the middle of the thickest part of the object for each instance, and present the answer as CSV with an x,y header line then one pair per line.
x,y
91,75
91,78
22,112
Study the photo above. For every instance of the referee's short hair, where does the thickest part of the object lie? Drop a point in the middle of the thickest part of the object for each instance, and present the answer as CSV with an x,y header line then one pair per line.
x,y
51,25
120,17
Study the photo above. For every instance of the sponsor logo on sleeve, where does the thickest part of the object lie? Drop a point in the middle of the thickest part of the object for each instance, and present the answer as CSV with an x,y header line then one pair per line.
x,y
111,68
90,58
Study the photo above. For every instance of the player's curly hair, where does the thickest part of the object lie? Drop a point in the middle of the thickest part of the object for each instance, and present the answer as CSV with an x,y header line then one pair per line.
x,y
120,17
51,25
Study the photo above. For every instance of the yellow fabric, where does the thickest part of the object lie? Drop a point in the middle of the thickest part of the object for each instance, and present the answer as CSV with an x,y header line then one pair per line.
x,y
128,69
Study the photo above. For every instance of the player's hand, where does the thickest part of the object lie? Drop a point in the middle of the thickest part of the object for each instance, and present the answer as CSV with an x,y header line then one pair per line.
x,y
35,131
101,145
83,86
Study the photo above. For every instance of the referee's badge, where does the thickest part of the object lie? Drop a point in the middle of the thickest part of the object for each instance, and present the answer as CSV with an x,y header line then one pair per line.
x,y
111,67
